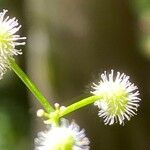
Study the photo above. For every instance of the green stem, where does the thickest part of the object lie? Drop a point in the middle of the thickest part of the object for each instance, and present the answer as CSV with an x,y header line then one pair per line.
x,y
79,104
44,102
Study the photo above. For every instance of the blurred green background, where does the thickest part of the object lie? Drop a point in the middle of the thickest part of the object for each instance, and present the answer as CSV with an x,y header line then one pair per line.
x,y
70,43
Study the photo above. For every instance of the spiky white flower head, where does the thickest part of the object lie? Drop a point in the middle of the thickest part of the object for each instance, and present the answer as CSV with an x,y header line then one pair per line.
x,y
64,137
8,40
119,98
3,66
